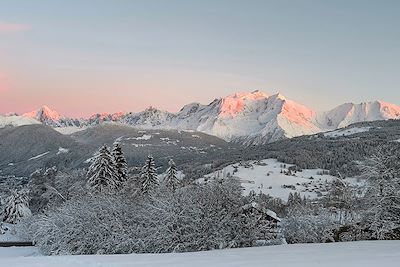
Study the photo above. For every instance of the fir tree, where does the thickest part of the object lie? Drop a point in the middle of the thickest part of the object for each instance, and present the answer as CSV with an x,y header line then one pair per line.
x,y
16,207
294,199
382,197
120,162
149,176
39,183
171,179
252,196
102,174
340,197
290,199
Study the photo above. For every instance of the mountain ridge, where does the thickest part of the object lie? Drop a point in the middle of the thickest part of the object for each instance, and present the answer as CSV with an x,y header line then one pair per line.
x,y
246,117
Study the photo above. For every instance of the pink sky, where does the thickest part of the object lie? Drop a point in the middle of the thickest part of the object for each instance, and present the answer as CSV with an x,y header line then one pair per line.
x,y
13,27
82,96
79,58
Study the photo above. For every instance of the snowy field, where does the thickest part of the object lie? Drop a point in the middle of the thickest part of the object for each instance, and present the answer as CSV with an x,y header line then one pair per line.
x,y
347,132
9,234
266,176
352,254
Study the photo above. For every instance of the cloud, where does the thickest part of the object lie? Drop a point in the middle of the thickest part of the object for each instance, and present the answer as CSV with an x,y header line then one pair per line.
x,y
13,27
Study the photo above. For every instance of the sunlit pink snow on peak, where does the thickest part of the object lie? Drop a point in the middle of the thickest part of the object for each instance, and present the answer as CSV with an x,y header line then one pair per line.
x,y
44,111
234,104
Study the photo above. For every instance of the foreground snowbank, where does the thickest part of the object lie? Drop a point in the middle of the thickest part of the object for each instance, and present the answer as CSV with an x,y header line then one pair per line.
x,y
365,253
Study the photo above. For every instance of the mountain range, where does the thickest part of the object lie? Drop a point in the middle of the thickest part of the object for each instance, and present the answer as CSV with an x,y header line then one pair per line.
x,y
247,118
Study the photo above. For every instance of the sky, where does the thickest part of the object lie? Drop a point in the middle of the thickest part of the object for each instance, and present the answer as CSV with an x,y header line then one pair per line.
x,y
81,57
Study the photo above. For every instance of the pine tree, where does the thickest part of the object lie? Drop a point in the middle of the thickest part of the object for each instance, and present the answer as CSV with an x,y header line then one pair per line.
x,y
290,199
252,196
294,199
102,174
382,197
149,175
120,162
39,183
171,179
16,207
340,197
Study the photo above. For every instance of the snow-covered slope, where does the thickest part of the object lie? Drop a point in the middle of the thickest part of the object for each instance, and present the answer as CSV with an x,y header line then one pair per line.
x,y
247,118
9,233
256,118
277,179
44,114
346,254
350,113
52,118
346,131
15,120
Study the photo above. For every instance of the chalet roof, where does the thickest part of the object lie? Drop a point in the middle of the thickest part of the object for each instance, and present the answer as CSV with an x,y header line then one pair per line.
x,y
273,215
256,206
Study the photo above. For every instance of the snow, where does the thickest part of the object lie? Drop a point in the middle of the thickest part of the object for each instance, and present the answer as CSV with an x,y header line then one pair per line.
x,y
16,121
62,150
273,215
265,176
39,156
141,145
347,132
43,112
349,113
67,130
350,254
15,253
8,233
143,137
89,160
247,117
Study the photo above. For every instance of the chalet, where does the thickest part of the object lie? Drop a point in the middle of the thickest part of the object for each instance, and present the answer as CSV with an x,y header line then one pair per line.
x,y
266,220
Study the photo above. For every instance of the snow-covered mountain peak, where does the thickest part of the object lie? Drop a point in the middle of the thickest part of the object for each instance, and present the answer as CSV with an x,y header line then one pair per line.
x,y
238,102
293,118
256,116
390,110
52,118
100,117
118,115
254,95
246,117
43,113
190,109
349,113
278,96
15,120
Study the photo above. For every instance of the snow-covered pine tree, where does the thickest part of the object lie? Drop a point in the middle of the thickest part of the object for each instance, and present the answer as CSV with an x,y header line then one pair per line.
x,y
171,178
16,207
382,196
148,176
39,184
103,175
340,197
120,162
294,199
290,199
